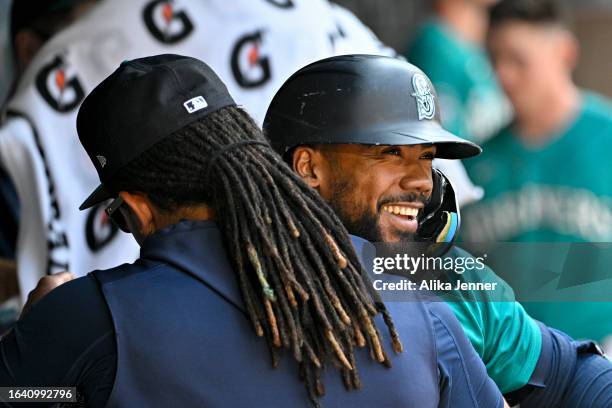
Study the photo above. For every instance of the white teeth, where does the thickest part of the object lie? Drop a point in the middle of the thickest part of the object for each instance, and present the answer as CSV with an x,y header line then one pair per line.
x,y
401,210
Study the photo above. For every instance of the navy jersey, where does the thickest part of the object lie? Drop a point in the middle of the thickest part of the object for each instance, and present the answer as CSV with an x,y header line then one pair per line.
x,y
171,329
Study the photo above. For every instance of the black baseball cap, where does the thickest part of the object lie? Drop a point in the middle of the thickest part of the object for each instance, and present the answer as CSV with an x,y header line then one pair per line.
x,y
144,101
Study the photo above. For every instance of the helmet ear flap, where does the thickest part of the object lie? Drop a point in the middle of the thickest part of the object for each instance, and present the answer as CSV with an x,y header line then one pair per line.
x,y
440,220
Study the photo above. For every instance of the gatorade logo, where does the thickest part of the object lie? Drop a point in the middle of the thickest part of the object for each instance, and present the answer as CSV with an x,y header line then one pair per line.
x,y
282,3
99,230
165,23
59,86
250,67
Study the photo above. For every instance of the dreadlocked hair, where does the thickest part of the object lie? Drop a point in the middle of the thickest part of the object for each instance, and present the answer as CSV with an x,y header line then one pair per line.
x,y
303,287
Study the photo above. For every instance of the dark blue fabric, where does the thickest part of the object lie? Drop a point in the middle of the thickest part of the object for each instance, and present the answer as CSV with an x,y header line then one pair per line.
x,y
68,338
463,378
184,340
591,385
569,374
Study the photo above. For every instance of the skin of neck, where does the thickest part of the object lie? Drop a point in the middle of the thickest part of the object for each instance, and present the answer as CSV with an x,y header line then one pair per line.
x,y
196,213
467,18
540,124
144,218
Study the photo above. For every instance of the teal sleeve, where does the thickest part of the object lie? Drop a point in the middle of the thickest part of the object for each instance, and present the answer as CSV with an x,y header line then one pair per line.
x,y
502,333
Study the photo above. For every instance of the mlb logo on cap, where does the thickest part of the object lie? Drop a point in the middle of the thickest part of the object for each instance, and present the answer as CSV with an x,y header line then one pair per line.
x,y
195,104
141,103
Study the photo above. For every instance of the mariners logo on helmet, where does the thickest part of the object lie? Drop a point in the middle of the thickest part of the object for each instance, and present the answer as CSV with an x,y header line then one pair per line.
x,y
426,105
296,117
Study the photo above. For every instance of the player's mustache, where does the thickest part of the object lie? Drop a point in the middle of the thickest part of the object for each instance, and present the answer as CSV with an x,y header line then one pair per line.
x,y
407,198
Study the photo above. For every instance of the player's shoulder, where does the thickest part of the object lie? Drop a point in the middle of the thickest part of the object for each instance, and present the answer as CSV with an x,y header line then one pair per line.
x,y
126,271
597,109
593,127
494,155
77,293
430,48
499,141
432,33
494,159
427,33
597,104
77,305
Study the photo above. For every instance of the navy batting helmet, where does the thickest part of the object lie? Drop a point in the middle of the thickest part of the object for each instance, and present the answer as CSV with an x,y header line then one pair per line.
x,y
364,99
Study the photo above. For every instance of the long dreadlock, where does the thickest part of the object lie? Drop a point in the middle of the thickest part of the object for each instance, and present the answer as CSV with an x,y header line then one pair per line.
x,y
302,284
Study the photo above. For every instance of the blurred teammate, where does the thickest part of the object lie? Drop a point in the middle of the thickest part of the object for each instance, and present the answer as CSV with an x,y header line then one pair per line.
x,y
65,47
449,48
234,246
547,176
32,24
363,131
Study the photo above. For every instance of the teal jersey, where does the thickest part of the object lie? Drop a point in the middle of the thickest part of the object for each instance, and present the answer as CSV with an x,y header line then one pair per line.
x,y
557,192
502,333
472,103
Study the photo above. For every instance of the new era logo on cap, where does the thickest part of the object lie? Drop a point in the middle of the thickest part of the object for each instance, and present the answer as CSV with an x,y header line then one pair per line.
x,y
195,104
102,160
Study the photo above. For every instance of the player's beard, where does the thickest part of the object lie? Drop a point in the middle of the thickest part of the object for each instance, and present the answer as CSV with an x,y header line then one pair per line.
x,y
363,223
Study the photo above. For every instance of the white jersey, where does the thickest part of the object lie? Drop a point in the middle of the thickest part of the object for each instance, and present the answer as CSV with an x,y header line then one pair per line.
x,y
253,45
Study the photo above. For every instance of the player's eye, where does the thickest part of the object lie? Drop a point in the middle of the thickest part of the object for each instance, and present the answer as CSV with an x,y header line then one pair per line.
x,y
428,156
394,151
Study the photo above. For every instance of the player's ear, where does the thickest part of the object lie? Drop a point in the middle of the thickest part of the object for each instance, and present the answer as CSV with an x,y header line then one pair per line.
x,y
306,165
141,215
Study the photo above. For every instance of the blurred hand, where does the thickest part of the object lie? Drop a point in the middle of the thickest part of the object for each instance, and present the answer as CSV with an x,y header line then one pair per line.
x,y
46,285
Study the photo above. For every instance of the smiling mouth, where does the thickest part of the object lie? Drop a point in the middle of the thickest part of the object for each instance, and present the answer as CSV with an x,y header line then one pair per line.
x,y
407,212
